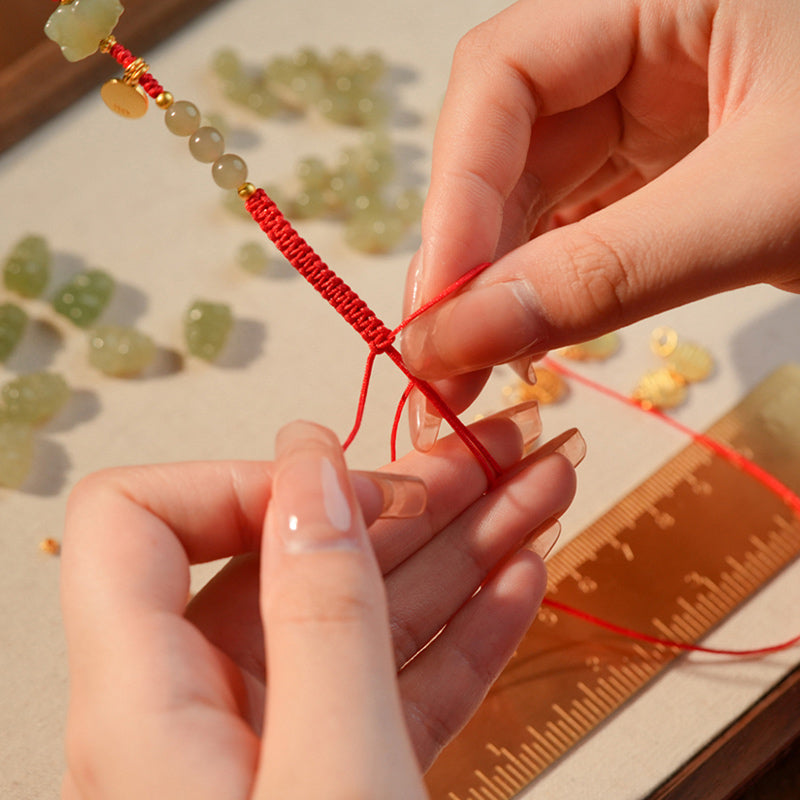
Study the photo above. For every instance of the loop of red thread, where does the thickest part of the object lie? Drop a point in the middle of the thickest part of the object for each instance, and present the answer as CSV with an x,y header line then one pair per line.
x,y
356,312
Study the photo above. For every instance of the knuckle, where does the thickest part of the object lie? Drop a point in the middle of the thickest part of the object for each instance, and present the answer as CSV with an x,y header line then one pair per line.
x,y
596,276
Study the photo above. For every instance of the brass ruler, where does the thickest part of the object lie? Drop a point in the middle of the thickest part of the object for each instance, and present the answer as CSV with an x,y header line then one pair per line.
x,y
672,559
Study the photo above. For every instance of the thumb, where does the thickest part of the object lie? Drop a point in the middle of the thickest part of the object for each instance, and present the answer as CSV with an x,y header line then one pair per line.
x,y
725,216
332,680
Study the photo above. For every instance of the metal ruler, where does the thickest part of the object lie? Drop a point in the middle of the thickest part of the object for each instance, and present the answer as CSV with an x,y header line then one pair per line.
x,y
672,559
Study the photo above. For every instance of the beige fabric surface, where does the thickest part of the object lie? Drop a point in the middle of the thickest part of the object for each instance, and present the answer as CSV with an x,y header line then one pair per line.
x,y
126,196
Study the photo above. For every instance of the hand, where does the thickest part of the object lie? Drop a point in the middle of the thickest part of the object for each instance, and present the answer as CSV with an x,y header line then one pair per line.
x,y
615,159
169,702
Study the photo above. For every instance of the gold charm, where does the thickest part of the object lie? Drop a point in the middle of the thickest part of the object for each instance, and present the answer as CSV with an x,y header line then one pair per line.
x,y
689,360
123,99
661,388
126,97
550,387
598,349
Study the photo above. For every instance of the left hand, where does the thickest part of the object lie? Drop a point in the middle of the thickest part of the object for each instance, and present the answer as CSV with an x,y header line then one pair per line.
x,y
170,701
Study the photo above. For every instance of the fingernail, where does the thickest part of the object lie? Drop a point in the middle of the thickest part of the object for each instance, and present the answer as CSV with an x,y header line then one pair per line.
x,y
413,298
544,538
400,496
423,424
525,369
311,508
570,444
526,417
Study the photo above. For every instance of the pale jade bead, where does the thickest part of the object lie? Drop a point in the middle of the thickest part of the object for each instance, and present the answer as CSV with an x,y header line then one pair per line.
x,y
206,144
79,27
182,118
229,171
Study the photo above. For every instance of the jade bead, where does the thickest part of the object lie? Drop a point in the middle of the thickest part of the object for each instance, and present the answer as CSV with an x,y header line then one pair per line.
x,y
78,27
206,144
229,171
182,118
16,453
409,205
84,298
226,64
374,231
13,321
207,327
33,398
27,268
120,351
313,173
252,257
307,204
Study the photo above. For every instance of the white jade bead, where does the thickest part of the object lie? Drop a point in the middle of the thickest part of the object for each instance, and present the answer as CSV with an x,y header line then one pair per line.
x,y
182,118
206,144
229,171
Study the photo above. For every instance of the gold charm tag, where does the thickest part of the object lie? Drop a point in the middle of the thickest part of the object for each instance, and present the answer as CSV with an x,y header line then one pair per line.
x,y
123,99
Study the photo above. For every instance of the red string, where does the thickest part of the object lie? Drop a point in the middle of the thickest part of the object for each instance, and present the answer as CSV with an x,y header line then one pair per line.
x,y
645,637
360,317
380,340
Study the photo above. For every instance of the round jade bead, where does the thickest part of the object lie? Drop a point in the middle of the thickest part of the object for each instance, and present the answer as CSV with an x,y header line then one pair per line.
x,y
27,268
207,327
34,398
120,351
226,64
229,171
16,453
13,321
182,118
206,144
252,257
375,231
84,298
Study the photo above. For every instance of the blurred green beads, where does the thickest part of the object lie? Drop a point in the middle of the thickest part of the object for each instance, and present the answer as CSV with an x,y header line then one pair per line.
x,y
16,453
13,321
84,298
252,257
120,350
27,269
33,398
207,327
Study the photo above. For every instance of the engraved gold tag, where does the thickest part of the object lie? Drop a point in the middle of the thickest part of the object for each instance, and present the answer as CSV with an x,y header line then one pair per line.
x,y
124,99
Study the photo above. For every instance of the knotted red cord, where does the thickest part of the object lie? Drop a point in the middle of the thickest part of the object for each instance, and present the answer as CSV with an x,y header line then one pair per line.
x,y
360,317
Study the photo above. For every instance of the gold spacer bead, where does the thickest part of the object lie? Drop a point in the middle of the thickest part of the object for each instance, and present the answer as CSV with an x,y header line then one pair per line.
x,y
107,43
134,71
165,100
246,190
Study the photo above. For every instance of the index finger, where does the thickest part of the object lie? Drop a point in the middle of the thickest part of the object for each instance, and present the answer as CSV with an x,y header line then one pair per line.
x,y
537,58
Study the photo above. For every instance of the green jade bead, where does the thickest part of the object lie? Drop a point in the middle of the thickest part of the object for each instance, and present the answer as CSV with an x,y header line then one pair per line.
x,y
120,351
16,453
13,321
207,327
375,231
78,27
252,257
27,268
226,64
33,398
84,298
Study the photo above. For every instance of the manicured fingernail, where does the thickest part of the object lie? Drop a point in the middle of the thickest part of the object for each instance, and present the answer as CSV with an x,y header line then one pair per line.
x,y
311,507
544,538
525,369
400,496
423,424
526,417
570,444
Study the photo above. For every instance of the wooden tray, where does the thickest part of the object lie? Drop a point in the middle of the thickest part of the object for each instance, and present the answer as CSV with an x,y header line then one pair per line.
x,y
36,82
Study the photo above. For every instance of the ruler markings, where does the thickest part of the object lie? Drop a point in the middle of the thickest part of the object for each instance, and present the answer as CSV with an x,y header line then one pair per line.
x,y
660,526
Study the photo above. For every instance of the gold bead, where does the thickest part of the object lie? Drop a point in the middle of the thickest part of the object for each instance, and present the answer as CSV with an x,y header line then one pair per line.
x,y
107,43
165,100
50,546
134,71
246,191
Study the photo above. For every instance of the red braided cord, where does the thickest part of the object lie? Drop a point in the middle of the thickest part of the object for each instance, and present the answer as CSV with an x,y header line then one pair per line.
x,y
125,58
358,314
